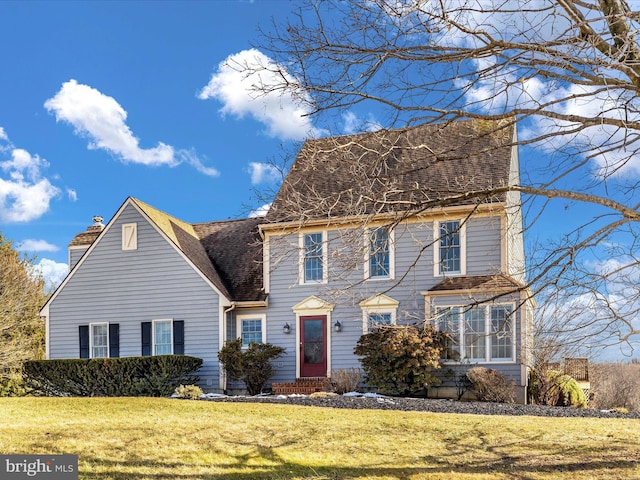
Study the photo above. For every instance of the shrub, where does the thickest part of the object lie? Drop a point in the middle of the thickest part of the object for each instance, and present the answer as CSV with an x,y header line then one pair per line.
x,y
555,388
564,391
399,359
12,386
615,385
346,380
252,365
190,392
490,385
111,377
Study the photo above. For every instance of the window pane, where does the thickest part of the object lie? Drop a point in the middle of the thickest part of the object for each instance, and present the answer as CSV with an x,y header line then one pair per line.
x,y
474,333
162,338
501,332
375,318
251,331
450,247
313,257
313,341
449,322
379,253
99,339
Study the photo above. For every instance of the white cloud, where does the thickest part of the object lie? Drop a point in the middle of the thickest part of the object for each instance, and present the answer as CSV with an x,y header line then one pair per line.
x,y
3,134
24,194
250,83
102,120
31,245
354,124
52,272
263,172
260,211
72,194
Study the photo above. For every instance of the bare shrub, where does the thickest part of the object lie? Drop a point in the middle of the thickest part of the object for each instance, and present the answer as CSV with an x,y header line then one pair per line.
x,y
615,385
491,385
346,379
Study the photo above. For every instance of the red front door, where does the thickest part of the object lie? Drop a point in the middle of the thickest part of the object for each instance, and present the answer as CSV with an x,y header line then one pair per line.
x,y
313,346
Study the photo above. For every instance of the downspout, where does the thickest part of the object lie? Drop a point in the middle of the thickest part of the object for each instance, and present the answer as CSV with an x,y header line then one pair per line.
x,y
223,374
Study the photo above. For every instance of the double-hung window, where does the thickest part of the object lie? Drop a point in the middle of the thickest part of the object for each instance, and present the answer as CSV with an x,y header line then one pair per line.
x,y
162,337
449,251
479,334
380,254
99,338
378,310
313,268
251,328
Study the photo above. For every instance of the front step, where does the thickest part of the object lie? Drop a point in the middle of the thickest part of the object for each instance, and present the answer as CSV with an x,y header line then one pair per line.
x,y
302,386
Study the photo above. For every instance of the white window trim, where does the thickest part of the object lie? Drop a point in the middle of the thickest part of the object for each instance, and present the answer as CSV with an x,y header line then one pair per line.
x,y
367,252
260,316
487,324
381,304
91,325
436,248
153,334
302,258
129,236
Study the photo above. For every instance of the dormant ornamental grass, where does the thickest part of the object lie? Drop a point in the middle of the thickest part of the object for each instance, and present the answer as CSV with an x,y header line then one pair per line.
x,y
151,438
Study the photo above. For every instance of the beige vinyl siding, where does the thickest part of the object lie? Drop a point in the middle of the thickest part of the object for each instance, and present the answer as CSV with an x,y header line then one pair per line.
x,y
130,287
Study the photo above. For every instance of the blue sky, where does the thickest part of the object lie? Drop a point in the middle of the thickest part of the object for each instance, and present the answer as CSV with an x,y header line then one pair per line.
x,y
101,100
104,100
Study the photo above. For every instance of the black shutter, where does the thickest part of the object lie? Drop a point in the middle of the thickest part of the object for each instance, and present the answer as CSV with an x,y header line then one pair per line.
x,y
83,331
178,337
114,340
146,339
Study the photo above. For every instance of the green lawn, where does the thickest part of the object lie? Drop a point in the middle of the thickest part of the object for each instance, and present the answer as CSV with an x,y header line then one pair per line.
x,y
135,438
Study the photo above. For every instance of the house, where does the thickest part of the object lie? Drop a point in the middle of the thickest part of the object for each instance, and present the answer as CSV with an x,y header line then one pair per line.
x,y
392,226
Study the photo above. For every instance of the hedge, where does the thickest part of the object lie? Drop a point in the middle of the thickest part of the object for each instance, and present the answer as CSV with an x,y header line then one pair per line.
x,y
153,376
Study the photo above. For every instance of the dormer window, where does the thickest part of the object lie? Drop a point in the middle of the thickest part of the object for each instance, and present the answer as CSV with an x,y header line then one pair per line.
x,y
130,236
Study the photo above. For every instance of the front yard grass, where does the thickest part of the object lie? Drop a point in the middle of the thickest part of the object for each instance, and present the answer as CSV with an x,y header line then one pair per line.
x,y
157,438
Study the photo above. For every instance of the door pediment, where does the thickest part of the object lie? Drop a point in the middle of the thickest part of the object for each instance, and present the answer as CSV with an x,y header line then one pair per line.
x,y
312,304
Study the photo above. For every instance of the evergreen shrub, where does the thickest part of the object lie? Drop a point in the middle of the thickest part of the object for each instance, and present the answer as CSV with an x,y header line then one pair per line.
x,y
399,359
153,376
251,365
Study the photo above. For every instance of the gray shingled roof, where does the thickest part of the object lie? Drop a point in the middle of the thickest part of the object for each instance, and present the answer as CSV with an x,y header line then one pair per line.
x,y
235,249
395,170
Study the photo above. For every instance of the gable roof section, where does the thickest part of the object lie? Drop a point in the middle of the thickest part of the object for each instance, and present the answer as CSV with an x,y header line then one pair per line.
x,y
391,171
235,250
226,253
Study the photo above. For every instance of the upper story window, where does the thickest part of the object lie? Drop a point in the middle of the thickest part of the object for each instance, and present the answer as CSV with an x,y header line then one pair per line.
x,y
380,254
130,236
313,258
450,248
251,328
478,334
